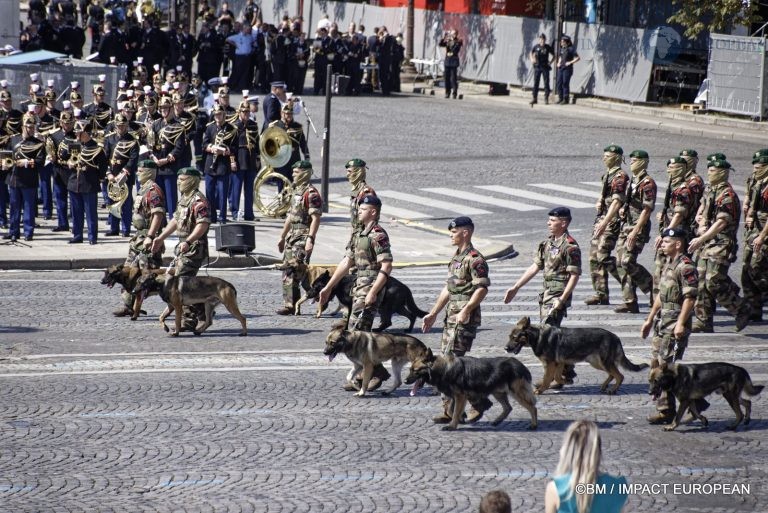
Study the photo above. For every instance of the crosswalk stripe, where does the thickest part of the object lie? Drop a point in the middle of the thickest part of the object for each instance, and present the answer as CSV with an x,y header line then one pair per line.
x,y
567,189
387,210
594,184
487,200
551,200
442,205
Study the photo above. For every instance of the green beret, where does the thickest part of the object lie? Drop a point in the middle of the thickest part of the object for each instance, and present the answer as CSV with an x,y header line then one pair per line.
x,y
759,154
689,153
760,160
614,149
147,164
720,164
355,163
716,156
677,160
191,171
639,154
302,164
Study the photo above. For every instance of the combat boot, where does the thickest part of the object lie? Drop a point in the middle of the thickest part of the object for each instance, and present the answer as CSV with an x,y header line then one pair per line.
x,y
596,300
380,375
628,308
122,312
477,410
286,310
742,320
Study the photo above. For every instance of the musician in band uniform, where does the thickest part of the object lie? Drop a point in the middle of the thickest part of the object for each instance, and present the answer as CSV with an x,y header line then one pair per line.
x,y
122,149
220,146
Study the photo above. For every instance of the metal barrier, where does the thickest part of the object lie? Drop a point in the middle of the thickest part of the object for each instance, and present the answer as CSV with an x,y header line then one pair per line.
x,y
737,75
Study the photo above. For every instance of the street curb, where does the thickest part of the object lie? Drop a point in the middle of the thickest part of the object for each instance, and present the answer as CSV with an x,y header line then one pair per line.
x,y
78,264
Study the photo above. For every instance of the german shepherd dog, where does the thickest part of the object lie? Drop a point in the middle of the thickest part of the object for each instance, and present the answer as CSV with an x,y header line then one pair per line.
x,y
696,381
398,298
180,291
366,350
464,377
556,347
127,277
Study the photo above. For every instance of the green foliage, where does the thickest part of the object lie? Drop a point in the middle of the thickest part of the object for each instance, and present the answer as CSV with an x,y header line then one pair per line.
x,y
713,15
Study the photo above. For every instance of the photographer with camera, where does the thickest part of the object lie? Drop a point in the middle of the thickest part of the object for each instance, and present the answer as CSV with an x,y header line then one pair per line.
x,y
452,44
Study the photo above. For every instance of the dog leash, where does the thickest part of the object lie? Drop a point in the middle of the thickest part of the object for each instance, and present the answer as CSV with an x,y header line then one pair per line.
x,y
172,264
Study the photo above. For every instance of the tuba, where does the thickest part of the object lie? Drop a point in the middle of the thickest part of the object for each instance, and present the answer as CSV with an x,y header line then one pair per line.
x,y
275,146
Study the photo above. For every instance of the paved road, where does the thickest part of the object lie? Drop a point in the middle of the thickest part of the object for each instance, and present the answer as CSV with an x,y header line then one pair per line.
x,y
102,414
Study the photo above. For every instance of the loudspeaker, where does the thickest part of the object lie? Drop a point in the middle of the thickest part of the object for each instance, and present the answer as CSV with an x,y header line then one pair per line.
x,y
235,238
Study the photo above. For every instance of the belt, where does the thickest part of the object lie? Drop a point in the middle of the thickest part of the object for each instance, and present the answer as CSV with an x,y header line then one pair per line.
x,y
459,297
367,273
299,225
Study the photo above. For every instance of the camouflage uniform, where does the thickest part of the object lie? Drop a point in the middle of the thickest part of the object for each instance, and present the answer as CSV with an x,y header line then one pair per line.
x,y
754,273
679,199
720,202
642,195
191,211
559,259
467,272
149,200
370,250
601,263
679,281
305,203
357,196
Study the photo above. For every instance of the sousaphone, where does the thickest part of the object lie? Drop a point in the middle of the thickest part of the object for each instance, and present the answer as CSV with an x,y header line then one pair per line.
x,y
276,148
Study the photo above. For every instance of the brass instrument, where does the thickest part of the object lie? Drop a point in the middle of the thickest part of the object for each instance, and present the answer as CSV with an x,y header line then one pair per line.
x,y
272,205
275,146
74,155
118,193
6,160
221,141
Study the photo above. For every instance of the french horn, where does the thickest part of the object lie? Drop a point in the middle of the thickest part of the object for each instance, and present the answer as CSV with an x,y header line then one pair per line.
x,y
272,204
275,146
118,193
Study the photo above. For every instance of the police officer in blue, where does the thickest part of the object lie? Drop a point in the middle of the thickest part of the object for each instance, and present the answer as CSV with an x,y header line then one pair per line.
x,y
568,57
273,103
542,56
452,44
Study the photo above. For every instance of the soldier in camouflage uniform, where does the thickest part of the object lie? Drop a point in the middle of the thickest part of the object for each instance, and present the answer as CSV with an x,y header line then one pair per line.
x,y
560,258
678,211
673,305
719,222
466,287
356,174
754,273
297,239
635,233
147,219
190,222
607,224
695,185
372,257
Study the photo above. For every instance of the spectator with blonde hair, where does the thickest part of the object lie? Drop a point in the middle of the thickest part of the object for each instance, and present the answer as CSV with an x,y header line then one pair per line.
x,y
495,501
579,465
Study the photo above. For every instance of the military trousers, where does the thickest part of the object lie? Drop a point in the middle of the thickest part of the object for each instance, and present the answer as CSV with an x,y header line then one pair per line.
x,y
631,274
601,263
715,285
665,348
754,275
295,262
457,337
361,315
139,257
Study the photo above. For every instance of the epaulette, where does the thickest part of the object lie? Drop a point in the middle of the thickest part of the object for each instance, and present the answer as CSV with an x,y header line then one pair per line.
x,y
571,240
474,253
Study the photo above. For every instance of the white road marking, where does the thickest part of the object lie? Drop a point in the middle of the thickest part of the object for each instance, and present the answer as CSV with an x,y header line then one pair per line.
x,y
567,189
545,198
484,199
422,200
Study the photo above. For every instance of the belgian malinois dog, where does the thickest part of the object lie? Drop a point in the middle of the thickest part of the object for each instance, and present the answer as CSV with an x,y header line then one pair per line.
x,y
127,277
556,347
366,350
180,291
688,382
464,377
